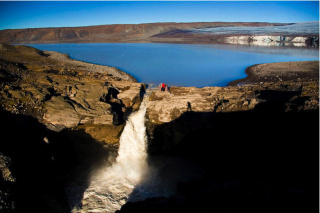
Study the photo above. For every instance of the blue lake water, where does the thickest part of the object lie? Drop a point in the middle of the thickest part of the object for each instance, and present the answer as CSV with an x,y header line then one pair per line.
x,y
181,64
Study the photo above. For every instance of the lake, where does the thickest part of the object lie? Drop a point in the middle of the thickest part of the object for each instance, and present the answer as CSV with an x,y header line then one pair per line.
x,y
181,64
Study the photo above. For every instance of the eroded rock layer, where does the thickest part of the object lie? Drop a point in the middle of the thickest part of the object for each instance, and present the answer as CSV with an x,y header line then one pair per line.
x,y
64,93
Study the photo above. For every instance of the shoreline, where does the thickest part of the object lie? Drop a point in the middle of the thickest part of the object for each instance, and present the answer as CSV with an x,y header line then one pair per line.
x,y
65,58
249,71
256,74
279,71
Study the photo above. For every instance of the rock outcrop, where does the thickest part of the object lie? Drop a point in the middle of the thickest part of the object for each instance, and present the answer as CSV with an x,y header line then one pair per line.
x,y
64,93
165,107
257,145
185,107
60,119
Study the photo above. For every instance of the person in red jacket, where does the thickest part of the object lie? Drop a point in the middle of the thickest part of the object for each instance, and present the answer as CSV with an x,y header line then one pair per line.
x,y
163,87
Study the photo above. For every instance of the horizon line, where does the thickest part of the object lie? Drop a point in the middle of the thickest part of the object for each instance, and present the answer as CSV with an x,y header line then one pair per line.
x,y
161,23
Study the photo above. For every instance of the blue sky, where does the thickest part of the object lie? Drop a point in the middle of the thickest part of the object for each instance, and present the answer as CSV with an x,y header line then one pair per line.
x,y
26,14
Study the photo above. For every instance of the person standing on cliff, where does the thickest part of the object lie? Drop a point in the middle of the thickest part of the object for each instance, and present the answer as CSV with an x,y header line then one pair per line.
x,y
162,87
189,107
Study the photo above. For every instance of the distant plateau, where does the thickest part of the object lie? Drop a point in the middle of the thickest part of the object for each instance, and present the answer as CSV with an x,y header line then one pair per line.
x,y
243,33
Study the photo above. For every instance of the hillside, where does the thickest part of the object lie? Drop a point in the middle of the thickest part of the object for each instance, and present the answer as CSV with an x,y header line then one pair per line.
x,y
112,33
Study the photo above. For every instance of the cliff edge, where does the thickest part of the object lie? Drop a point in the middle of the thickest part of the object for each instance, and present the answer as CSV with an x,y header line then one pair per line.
x,y
64,93
256,143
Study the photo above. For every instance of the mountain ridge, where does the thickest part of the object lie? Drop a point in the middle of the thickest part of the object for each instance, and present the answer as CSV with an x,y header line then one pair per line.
x,y
110,33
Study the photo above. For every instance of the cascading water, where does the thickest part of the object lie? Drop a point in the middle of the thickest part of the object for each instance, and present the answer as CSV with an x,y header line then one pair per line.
x,y
111,188
131,178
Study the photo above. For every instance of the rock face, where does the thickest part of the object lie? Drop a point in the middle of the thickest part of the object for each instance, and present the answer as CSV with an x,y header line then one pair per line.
x,y
60,119
64,93
165,107
7,180
172,115
257,145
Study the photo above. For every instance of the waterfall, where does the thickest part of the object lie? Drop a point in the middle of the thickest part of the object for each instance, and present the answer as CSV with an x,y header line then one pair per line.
x,y
111,187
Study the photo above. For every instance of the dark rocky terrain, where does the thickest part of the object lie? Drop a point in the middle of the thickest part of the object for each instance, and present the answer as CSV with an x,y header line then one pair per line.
x,y
258,143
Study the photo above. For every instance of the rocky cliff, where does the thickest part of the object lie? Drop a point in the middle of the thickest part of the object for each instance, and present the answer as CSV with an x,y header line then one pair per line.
x,y
257,144
281,87
60,119
64,93
165,107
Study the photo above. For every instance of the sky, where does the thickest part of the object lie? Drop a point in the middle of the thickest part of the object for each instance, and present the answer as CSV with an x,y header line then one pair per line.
x,y
38,14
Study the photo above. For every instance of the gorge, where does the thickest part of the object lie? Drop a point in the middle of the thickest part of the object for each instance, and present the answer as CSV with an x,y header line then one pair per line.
x,y
110,188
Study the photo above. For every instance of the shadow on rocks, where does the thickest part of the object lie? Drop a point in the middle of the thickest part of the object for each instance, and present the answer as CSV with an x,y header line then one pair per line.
x,y
46,165
262,160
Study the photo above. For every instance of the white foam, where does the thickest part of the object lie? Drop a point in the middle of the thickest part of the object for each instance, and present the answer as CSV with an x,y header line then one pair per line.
x,y
111,187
